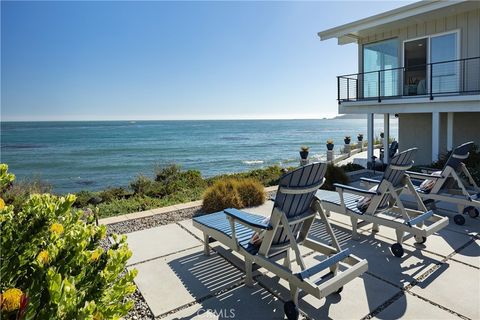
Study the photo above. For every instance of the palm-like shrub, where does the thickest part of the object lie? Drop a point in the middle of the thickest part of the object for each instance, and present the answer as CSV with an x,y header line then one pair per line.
x,y
52,264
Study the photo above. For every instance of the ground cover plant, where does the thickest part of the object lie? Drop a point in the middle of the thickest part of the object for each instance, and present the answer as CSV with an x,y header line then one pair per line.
x,y
168,185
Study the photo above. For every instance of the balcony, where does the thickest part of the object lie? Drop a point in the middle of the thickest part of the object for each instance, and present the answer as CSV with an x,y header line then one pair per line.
x,y
439,79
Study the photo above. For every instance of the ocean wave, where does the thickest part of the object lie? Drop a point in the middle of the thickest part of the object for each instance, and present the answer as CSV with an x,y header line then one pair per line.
x,y
230,138
22,146
252,162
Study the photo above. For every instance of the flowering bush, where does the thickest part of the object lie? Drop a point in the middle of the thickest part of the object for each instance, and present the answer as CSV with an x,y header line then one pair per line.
x,y
52,264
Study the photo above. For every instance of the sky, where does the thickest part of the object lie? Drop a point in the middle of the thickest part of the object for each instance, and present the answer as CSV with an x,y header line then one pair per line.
x,y
121,60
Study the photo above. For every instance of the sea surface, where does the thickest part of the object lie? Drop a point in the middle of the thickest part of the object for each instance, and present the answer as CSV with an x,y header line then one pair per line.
x,y
74,156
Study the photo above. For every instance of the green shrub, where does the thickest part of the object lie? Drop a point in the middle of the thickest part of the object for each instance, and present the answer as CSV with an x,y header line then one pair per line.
x,y
16,193
83,198
53,266
221,195
333,175
350,167
113,193
251,192
142,185
268,176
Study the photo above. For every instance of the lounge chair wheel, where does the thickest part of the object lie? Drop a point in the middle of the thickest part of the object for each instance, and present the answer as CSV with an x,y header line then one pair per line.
x,y
420,239
397,250
459,219
471,211
291,310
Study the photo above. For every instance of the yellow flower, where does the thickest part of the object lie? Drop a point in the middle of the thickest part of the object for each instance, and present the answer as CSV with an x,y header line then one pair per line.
x,y
11,299
43,257
2,204
95,255
56,228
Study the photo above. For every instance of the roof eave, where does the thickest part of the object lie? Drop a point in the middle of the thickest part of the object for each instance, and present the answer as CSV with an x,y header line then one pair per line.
x,y
348,33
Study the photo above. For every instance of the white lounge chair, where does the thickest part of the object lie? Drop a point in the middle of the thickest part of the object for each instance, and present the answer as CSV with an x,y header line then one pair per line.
x,y
294,212
385,207
453,185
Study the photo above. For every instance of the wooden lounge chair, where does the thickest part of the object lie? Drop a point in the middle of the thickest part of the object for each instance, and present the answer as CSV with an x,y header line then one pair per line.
x,y
453,185
392,150
385,207
295,209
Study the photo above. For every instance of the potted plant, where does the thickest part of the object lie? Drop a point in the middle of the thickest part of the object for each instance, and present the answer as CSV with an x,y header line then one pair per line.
x,y
382,135
304,152
360,137
347,139
330,144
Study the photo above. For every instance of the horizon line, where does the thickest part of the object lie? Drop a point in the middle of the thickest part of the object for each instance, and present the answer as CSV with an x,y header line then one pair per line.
x,y
144,120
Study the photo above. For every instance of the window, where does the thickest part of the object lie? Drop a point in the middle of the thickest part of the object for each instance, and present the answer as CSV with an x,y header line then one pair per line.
x,y
380,56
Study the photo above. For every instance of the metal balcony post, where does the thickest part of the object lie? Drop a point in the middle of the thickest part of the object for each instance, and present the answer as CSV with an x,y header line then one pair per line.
x,y
379,99
356,85
431,82
338,89
348,89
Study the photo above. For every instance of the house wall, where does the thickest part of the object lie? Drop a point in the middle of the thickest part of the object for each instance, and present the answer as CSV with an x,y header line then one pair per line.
x,y
466,127
467,22
415,130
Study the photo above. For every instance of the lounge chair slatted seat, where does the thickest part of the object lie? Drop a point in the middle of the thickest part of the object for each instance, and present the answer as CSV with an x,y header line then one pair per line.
x,y
294,211
350,200
385,207
454,185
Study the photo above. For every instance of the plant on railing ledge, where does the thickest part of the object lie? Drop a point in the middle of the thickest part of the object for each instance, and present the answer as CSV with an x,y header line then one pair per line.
x,y
53,265
330,144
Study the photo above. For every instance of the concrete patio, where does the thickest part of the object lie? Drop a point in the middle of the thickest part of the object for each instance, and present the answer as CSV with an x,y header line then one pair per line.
x,y
438,280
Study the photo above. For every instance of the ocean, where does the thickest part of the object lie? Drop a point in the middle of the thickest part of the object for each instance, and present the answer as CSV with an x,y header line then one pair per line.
x,y
92,155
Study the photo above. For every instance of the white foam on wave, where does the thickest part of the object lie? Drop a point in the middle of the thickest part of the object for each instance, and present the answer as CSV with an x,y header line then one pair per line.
x,y
250,162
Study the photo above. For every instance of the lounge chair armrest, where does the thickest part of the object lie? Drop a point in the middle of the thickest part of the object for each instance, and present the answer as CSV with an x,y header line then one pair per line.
x,y
428,170
422,176
367,182
350,189
246,218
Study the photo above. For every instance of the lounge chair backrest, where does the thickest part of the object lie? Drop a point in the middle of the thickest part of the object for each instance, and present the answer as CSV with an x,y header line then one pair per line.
x,y
395,173
393,148
296,190
458,155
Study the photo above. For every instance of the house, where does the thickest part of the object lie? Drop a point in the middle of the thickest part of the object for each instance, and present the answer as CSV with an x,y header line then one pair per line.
x,y
420,62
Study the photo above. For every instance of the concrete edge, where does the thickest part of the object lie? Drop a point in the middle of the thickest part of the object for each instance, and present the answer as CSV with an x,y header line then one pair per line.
x,y
162,210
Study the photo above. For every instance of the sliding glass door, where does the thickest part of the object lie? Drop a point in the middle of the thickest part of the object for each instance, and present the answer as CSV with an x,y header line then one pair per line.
x,y
377,56
445,72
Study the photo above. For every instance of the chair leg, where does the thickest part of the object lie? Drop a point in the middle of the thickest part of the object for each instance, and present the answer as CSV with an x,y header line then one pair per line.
x,y
355,235
375,227
400,235
206,248
286,261
294,293
248,272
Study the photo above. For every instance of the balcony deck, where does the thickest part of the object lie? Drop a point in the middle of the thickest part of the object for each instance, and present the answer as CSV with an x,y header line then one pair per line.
x,y
455,81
